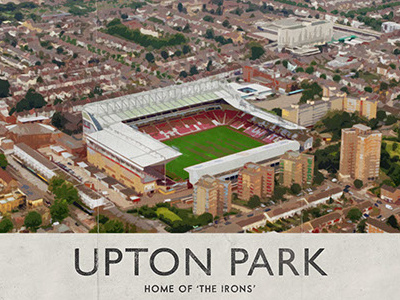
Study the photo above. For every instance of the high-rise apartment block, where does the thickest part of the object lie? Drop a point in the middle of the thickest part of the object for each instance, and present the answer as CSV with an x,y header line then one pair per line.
x,y
257,180
212,195
360,153
296,168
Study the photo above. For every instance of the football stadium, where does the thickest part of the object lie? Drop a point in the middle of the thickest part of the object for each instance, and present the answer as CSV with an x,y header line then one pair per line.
x,y
160,139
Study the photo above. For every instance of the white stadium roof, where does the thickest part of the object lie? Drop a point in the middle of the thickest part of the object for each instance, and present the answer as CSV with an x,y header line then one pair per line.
x,y
133,146
132,106
237,160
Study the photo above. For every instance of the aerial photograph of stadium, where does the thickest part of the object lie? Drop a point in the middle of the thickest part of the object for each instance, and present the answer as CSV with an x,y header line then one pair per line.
x,y
215,116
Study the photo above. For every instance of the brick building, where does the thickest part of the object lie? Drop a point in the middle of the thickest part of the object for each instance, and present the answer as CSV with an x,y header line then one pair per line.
x,y
212,195
360,153
257,180
296,167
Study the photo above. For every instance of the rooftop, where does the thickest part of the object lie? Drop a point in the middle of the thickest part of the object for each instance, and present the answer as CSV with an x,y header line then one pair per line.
x,y
133,146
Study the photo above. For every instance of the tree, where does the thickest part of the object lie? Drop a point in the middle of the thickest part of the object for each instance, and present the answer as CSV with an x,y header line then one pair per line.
x,y
392,221
358,183
383,86
102,219
150,57
18,16
209,64
323,76
256,52
33,220
193,70
63,190
183,74
3,161
336,78
361,226
226,23
381,115
60,50
295,188
59,210
186,49
31,100
368,89
354,214
180,7
114,226
58,120
310,70
164,54
254,201
4,88
318,178
6,225
178,53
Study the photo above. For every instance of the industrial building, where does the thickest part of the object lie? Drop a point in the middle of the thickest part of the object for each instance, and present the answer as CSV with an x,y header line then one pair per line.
x,y
291,33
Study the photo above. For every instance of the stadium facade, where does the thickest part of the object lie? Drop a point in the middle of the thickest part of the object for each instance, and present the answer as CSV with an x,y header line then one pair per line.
x,y
125,135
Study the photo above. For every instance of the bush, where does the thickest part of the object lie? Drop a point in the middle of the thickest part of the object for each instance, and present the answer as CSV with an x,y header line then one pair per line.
x,y
295,188
358,183
354,214
254,201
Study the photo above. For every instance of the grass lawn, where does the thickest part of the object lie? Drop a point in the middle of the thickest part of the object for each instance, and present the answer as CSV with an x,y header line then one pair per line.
x,y
206,145
389,146
168,214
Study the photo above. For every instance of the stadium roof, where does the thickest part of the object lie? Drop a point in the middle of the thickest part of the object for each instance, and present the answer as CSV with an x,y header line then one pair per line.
x,y
151,102
133,146
108,112
237,160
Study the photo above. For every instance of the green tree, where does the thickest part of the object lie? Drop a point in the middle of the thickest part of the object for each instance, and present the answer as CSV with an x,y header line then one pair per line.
x,y
368,89
6,225
183,74
226,23
102,219
164,54
295,188
336,78
354,214
18,16
114,226
256,51
193,70
392,221
358,183
63,190
3,161
323,76
254,201
33,220
150,57
381,115
186,49
4,88
31,100
180,7
383,86
58,120
361,226
310,70
59,210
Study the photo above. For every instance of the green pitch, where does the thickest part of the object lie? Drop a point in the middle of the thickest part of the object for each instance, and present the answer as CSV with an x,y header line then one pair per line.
x,y
204,146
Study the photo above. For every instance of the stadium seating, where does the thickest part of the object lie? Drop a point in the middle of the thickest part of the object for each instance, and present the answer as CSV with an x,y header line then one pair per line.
x,y
206,120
